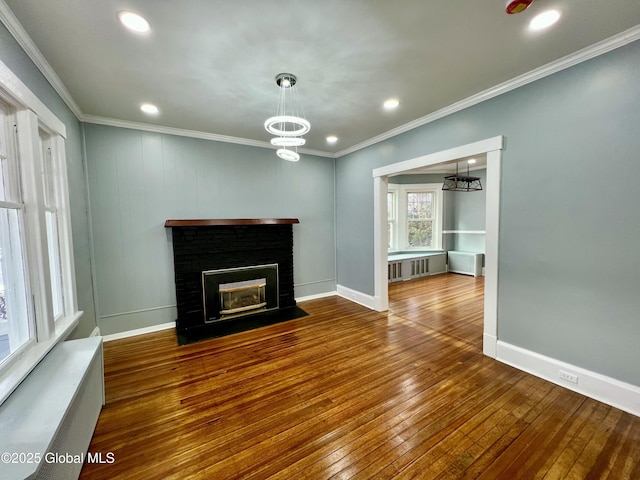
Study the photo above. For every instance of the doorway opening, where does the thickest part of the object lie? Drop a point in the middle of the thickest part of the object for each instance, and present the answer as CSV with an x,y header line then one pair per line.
x,y
492,149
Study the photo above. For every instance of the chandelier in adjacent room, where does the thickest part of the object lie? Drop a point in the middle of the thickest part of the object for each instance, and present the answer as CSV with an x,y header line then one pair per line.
x,y
461,183
289,124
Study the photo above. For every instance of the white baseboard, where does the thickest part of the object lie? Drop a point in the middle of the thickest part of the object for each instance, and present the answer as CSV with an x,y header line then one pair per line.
x,y
616,393
357,297
139,331
95,333
489,345
380,304
317,295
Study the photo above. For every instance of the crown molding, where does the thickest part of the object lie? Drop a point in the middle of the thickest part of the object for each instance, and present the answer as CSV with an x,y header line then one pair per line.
x,y
18,32
575,58
20,95
20,35
181,132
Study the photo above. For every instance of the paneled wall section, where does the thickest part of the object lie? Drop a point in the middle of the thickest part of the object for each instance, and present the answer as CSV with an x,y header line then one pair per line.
x,y
137,180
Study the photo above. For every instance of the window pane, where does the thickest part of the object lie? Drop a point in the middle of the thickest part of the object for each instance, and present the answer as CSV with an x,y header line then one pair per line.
x,y
390,210
54,262
14,321
420,206
420,233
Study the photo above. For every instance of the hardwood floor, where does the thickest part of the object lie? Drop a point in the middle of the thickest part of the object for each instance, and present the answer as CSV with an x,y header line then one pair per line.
x,y
350,393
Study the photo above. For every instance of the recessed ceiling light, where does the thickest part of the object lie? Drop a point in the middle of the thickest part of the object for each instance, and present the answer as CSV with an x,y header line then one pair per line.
x,y
391,103
332,139
133,21
150,109
471,161
544,20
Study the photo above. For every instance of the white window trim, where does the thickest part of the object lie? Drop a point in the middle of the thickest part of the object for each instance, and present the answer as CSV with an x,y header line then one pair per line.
x,y
393,188
401,234
60,202
31,114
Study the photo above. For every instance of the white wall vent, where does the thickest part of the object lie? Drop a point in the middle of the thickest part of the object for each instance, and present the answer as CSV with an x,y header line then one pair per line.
x,y
465,262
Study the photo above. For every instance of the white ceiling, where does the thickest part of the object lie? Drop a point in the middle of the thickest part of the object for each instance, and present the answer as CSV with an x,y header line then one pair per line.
x,y
209,65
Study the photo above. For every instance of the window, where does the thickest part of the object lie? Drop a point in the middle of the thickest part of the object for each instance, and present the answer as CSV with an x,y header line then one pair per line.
x,y
420,216
417,224
38,307
16,326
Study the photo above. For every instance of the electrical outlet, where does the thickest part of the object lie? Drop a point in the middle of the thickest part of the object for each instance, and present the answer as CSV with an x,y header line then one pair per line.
x,y
569,377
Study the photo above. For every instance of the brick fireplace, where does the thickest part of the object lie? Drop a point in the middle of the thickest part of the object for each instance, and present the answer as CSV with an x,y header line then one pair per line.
x,y
232,275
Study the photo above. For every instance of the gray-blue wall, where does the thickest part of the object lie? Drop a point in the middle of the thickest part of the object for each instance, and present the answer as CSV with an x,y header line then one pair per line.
x,y
570,223
137,180
467,213
17,60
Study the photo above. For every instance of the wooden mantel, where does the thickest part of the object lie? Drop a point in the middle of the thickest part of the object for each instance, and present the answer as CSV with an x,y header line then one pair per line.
x,y
230,221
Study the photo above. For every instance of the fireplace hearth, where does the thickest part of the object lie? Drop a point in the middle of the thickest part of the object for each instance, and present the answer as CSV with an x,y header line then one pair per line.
x,y
232,275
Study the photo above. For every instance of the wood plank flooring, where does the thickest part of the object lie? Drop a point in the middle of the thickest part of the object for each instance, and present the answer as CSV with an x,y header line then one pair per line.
x,y
350,393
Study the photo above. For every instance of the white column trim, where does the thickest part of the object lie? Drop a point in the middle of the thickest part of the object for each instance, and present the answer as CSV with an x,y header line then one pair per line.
x,y
381,295
492,230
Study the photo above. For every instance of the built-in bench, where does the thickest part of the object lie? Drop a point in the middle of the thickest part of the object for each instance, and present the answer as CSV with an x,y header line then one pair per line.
x,y
408,265
48,421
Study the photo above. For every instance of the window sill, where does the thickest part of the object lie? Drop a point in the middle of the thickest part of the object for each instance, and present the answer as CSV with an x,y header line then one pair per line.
x,y
416,250
22,366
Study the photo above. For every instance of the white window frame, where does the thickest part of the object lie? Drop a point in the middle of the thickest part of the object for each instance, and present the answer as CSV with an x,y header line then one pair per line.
x,y
31,117
20,308
402,230
392,215
52,146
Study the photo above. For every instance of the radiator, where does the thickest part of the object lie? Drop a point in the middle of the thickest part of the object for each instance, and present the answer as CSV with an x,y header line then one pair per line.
x,y
408,268
419,267
76,430
395,271
51,415
465,262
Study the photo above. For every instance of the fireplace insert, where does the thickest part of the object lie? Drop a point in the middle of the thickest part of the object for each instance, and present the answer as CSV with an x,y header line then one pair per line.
x,y
234,292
